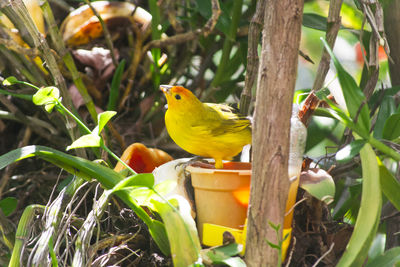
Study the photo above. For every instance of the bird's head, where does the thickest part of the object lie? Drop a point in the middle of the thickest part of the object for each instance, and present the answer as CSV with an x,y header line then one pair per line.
x,y
179,97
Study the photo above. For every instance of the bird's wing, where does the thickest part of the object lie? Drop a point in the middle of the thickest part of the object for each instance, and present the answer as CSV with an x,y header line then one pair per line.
x,y
220,119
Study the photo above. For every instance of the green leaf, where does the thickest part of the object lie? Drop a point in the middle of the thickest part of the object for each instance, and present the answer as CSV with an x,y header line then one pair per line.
x,y
159,234
338,114
223,255
46,95
300,95
314,21
88,140
390,185
139,180
115,84
87,170
348,203
166,186
276,227
275,246
234,262
22,96
143,196
354,97
348,152
53,256
10,81
388,259
181,230
386,108
391,130
103,118
369,214
8,205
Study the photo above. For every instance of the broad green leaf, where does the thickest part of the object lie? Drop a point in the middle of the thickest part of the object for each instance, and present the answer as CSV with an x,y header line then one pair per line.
x,y
223,255
103,118
380,94
391,130
166,186
369,214
390,185
181,230
139,180
314,21
88,140
318,183
354,97
338,114
386,108
143,196
349,204
378,246
234,262
10,81
115,84
159,234
8,205
88,169
388,259
348,152
53,256
46,95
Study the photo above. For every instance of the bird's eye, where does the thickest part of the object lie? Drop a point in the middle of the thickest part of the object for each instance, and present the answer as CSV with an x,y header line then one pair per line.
x,y
177,97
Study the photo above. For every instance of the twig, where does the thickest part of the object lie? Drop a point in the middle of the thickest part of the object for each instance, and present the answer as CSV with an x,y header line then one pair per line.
x,y
216,12
12,45
18,10
189,36
131,72
333,26
67,58
252,57
324,255
17,64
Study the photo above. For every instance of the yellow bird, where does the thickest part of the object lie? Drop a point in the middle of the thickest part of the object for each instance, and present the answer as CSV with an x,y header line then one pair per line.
x,y
205,129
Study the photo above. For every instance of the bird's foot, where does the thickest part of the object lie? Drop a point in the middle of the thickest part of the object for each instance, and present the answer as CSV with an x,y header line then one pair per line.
x,y
196,161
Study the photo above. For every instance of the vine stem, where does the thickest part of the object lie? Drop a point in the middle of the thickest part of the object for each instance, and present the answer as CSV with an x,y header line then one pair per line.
x,y
384,148
88,131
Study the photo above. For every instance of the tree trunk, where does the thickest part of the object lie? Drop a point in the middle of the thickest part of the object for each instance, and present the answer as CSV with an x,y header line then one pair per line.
x,y
392,30
275,88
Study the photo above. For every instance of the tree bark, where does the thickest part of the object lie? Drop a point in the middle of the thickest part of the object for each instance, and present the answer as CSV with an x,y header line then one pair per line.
x,y
275,88
392,29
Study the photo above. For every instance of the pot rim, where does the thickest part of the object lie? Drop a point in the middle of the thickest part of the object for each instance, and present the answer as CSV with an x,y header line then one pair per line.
x,y
244,169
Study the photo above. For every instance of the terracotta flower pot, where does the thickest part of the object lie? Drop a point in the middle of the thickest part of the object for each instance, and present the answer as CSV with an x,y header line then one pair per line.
x,y
221,195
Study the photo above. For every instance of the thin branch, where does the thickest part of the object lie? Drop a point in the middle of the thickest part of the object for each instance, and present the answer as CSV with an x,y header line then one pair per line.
x,y
333,26
189,36
67,58
252,57
324,255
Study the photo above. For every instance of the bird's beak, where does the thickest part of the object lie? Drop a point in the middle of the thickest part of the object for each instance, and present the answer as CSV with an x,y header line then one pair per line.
x,y
165,88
